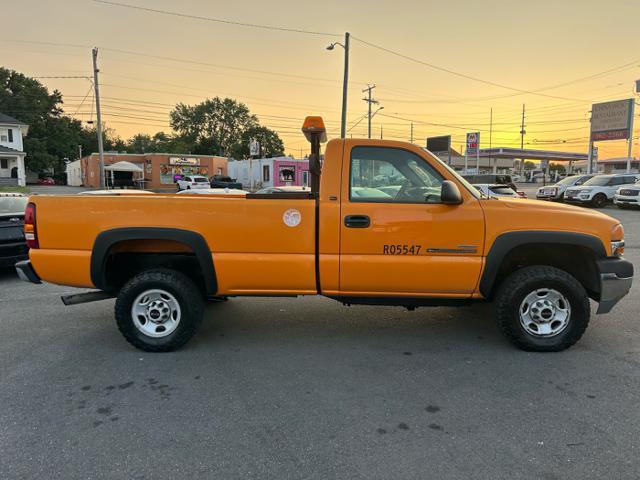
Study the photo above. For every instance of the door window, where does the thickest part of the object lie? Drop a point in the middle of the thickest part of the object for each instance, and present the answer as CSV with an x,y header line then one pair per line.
x,y
380,175
617,181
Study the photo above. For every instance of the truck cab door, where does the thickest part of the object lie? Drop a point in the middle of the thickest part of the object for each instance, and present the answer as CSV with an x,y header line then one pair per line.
x,y
397,238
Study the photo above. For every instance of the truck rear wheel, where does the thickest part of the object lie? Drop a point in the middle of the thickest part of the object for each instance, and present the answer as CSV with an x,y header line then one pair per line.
x,y
159,310
542,309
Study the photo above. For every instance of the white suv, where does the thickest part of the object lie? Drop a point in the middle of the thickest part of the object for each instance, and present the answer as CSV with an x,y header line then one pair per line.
x,y
556,192
190,182
627,196
600,189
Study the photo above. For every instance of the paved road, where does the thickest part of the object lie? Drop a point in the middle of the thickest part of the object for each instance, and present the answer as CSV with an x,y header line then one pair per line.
x,y
307,388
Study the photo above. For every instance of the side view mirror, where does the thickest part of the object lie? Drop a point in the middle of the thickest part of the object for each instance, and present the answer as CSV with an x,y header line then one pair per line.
x,y
450,193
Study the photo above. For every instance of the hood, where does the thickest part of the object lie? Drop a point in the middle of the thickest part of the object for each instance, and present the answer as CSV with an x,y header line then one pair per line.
x,y
508,215
531,205
584,187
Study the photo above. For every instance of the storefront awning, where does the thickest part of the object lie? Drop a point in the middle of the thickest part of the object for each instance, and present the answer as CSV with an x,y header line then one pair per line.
x,y
123,166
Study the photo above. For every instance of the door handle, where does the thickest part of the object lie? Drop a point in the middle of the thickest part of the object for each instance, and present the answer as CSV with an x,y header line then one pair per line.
x,y
357,221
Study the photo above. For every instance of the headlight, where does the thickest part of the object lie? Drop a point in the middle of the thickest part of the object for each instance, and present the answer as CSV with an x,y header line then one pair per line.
x,y
617,248
585,191
617,240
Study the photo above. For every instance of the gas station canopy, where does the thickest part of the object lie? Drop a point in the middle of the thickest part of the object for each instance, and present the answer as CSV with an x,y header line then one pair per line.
x,y
528,154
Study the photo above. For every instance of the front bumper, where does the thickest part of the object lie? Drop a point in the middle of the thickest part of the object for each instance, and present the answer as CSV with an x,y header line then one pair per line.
x,y
626,200
542,196
26,272
578,199
616,276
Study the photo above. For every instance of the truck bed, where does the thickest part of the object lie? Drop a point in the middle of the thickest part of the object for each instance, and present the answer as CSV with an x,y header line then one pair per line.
x,y
254,250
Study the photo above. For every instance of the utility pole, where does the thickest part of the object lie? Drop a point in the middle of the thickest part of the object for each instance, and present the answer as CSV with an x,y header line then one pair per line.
x,y
491,160
380,131
411,132
370,101
522,132
630,142
98,115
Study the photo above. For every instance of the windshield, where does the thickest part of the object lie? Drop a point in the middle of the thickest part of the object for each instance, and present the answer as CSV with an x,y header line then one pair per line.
x,y
467,185
13,205
568,181
502,190
598,181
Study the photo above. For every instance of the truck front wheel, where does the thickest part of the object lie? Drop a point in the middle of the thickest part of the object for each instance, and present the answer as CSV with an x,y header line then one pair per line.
x,y
159,310
542,309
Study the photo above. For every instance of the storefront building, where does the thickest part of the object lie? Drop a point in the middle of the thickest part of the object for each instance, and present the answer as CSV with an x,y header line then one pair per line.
x,y
161,170
259,173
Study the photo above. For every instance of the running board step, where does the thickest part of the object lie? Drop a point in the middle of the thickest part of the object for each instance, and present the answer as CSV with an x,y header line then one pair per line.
x,y
87,297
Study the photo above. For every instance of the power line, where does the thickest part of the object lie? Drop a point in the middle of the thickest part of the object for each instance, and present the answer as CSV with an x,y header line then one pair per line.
x,y
83,100
218,20
458,74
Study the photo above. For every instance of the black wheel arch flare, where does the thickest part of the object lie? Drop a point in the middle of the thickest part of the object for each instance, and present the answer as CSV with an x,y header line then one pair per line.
x,y
506,242
107,239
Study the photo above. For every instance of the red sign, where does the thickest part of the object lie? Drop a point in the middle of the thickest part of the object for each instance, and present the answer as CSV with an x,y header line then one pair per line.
x,y
610,135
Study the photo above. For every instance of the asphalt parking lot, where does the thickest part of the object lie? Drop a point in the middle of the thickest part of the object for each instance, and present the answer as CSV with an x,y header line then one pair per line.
x,y
307,388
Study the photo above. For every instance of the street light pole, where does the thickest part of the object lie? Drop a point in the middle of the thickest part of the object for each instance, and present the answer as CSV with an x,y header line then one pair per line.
x,y
345,81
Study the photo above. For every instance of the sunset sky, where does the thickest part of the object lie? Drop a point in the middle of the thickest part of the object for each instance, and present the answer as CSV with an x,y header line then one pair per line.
x,y
572,53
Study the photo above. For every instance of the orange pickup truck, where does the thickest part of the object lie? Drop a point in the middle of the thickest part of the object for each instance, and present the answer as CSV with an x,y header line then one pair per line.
x,y
384,223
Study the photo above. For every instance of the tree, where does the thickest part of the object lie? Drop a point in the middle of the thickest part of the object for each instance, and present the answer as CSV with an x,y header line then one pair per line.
x,y
27,99
557,167
271,144
141,143
53,137
221,127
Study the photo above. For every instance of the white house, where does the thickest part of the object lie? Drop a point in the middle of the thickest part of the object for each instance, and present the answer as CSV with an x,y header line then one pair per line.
x,y
12,171
74,173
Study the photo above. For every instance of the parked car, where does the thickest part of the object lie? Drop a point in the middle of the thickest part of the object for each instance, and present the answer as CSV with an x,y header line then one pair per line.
x,y
192,182
627,196
556,192
491,179
214,191
46,181
126,191
600,189
222,181
285,189
13,246
496,191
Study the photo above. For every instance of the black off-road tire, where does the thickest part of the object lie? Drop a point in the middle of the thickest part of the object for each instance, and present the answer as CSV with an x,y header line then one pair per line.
x,y
518,285
599,201
185,291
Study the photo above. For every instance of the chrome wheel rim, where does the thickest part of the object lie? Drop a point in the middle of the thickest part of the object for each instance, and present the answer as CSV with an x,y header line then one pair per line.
x,y
156,313
545,312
